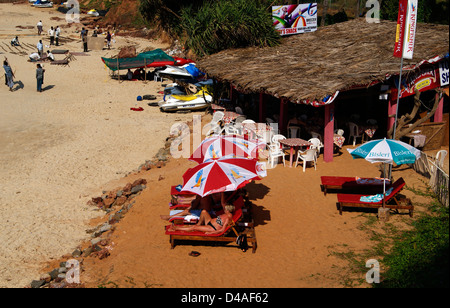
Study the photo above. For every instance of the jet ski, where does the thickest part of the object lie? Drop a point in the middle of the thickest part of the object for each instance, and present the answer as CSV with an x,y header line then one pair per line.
x,y
42,4
175,102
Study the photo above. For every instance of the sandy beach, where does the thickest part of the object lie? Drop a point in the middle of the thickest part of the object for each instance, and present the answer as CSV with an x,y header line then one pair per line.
x,y
60,147
64,146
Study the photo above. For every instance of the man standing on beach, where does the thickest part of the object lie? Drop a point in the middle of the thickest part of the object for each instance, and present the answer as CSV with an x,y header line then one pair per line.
x,y
39,77
40,48
51,33
84,34
57,32
9,75
39,27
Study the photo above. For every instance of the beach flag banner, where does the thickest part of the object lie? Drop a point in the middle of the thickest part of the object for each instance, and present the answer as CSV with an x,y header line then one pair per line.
x,y
406,29
410,29
295,18
399,34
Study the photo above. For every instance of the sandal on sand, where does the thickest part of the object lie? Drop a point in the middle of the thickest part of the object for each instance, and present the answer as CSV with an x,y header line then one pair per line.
x,y
194,253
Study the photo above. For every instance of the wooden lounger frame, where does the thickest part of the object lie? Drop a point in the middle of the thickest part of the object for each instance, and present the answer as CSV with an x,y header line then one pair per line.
x,y
353,200
240,221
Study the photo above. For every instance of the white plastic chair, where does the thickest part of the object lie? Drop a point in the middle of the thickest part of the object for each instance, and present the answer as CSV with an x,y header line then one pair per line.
x,y
354,132
217,116
212,129
229,129
275,150
317,144
306,156
316,135
293,131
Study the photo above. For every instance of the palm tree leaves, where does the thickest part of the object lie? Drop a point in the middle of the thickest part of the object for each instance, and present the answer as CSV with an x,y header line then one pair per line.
x,y
219,25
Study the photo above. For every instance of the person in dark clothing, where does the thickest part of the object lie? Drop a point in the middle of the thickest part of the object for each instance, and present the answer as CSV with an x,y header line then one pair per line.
x,y
39,77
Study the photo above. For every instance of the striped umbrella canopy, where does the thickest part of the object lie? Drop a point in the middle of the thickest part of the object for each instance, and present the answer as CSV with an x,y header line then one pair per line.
x,y
222,174
225,146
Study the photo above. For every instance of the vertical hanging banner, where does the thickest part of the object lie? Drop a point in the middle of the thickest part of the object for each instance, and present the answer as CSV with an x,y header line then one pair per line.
x,y
406,29
410,29
399,35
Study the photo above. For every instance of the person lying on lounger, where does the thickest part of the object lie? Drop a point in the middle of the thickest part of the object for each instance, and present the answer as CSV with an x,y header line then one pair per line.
x,y
208,203
207,224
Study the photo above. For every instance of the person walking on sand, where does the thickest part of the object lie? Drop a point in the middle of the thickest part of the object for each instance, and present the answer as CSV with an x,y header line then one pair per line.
x,y
108,40
9,75
39,27
51,33
39,77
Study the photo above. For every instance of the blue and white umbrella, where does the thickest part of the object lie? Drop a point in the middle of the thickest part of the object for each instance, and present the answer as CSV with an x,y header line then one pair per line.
x,y
386,151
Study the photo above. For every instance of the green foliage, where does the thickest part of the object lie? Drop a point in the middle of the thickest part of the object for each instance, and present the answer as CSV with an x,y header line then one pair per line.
x,y
429,11
420,258
212,25
219,25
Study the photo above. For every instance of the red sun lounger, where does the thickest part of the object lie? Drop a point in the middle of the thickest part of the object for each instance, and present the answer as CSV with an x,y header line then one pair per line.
x,y
230,233
352,184
392,201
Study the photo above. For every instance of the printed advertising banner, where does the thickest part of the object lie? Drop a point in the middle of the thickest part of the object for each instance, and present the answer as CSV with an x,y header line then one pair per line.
x,y
406,29
295,18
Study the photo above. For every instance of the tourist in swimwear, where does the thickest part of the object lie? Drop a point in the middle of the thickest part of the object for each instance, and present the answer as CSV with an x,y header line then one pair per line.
x,y
207,224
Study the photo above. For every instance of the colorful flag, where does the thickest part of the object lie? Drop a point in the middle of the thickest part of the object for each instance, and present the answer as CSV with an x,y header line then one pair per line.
x,y
399,35
410,29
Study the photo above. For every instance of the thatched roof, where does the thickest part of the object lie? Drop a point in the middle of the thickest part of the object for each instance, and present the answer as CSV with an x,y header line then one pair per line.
x,y
310,66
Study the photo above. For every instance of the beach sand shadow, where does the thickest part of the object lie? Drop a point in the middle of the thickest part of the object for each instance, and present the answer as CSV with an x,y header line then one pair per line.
x,y
258,191
49,87
18,85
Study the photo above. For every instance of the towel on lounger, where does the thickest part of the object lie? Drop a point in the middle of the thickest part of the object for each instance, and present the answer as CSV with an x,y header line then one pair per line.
x,y
375,198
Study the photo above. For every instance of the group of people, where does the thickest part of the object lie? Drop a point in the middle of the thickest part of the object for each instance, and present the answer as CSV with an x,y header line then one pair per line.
x,y
96,32
138,74
9,76
54,33
214,212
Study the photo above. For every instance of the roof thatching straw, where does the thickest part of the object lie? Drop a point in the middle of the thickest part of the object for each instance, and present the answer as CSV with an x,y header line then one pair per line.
x,y
310,66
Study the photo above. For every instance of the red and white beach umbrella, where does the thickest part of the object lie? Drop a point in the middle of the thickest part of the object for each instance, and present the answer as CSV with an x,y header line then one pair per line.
x,y
223,174
226,146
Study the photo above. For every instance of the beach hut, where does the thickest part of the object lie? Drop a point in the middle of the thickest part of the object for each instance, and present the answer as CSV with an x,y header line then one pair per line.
x,y
321,67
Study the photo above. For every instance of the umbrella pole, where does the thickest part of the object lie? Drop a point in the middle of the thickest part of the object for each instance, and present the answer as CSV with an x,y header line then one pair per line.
x,y
384,184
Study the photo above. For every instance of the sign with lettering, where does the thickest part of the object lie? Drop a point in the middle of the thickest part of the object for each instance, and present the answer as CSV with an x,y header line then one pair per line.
x,y
295,18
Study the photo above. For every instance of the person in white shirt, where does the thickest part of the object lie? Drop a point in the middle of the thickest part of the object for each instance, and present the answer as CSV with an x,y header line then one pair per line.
x,y
50,56
34,57
51,33
15,41
39,27
40,48
57,33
